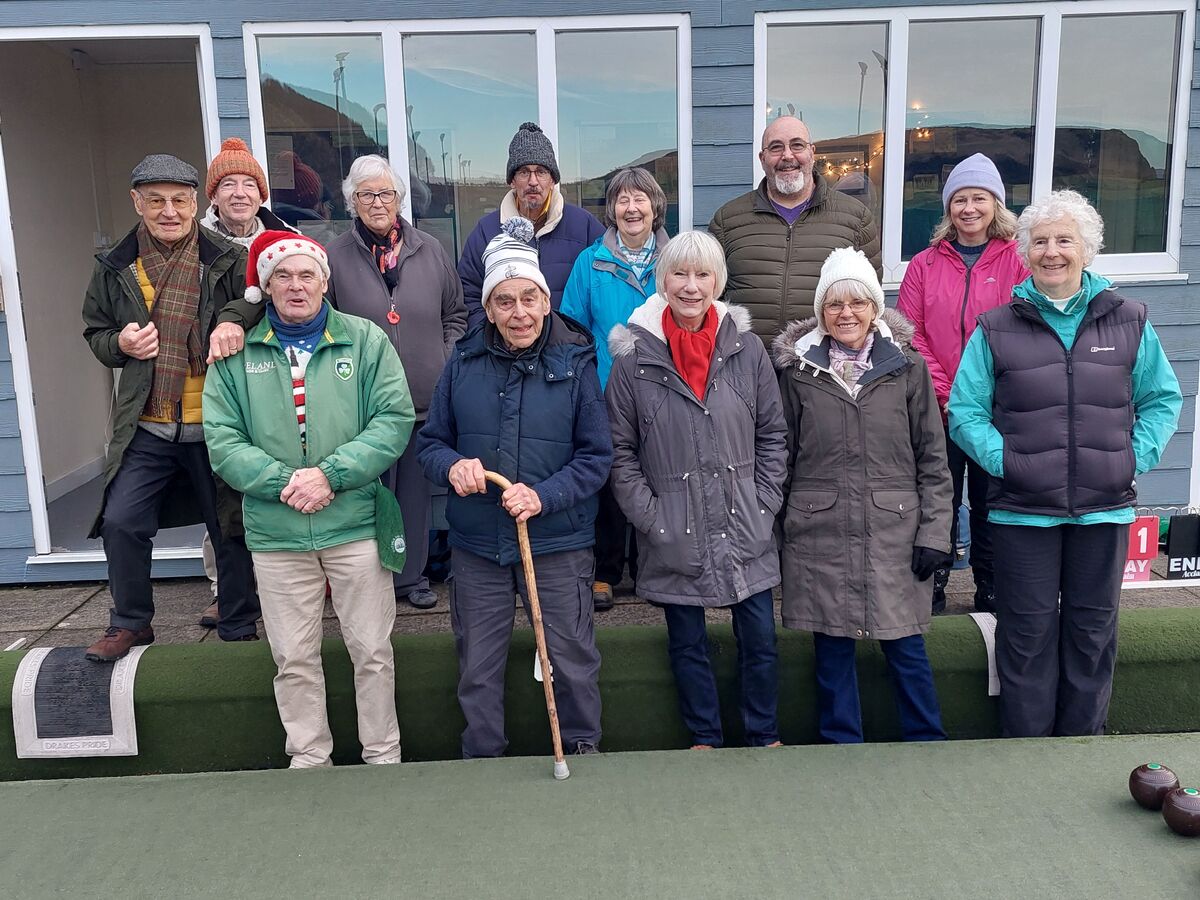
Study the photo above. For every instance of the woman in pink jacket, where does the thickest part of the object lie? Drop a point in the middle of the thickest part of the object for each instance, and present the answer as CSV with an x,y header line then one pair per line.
x,y
971,266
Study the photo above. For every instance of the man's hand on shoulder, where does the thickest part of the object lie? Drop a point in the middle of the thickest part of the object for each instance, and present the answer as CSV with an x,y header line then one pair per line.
x,y
227,340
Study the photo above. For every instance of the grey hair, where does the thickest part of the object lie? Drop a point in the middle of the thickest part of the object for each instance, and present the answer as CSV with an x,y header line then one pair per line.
x,y
635,178
692,250
1062,205
364,169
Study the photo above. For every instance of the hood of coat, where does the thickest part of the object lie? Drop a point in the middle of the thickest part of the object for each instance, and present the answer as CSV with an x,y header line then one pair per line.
x,y
622,340
791,347
508,209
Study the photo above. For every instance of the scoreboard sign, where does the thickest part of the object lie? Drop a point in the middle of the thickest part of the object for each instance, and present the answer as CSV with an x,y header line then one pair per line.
x,y
1143,548
1183,547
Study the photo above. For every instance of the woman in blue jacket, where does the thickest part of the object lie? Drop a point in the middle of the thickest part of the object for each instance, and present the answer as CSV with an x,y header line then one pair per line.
x,y
1063,396
611,279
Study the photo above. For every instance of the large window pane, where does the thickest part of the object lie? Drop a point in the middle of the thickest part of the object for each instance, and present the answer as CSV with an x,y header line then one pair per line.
x,y
971,89
834,77
323,106
617,107
1116,98
467,94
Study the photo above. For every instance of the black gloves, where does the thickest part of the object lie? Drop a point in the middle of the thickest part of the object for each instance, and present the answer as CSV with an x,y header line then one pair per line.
x,y
925,561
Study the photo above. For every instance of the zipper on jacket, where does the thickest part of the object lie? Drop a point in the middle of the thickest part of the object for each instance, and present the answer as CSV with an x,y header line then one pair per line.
x,y
787,264
962,316
1070,435
687,505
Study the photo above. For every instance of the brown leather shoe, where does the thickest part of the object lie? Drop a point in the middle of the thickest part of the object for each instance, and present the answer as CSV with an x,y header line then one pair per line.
x,y
208,618
117,642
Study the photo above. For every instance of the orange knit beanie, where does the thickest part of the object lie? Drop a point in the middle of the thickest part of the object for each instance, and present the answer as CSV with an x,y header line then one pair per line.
x,y
235,158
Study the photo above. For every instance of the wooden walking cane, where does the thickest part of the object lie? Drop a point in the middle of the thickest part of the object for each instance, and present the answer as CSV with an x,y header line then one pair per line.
x,y
539,634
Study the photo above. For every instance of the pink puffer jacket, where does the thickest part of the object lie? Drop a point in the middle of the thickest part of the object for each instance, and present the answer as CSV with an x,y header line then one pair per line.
x,y
942,301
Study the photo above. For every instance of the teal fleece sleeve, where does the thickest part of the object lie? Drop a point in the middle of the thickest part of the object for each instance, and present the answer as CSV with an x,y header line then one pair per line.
x,y
1156,401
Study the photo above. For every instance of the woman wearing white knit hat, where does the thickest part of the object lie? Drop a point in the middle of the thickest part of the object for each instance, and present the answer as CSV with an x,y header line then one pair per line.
x,y
868,496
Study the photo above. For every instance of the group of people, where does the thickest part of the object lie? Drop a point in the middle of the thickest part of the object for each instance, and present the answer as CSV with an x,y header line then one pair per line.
x,y
723,414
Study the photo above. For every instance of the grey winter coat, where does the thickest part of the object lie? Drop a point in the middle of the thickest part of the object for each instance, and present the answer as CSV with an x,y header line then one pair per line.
x,y
867,481
428,299
700,481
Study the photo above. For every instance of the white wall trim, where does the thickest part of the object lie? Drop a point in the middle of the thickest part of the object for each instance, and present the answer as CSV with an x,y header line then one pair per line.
x,y
1051,14
74,479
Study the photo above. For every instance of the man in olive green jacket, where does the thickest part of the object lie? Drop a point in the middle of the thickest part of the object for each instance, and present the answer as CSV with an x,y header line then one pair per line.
x,y
303,422
777,237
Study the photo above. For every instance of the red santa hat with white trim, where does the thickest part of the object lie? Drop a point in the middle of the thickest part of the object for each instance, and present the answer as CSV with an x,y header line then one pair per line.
x,y
271,248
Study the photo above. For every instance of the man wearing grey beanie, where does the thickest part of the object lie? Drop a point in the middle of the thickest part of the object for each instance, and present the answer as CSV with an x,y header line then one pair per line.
x,y
562,230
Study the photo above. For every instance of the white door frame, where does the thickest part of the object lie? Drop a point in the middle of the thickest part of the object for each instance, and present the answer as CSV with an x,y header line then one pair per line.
x,y
13,309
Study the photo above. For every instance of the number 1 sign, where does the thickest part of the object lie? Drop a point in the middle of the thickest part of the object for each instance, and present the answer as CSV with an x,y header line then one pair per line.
x,y
1143,548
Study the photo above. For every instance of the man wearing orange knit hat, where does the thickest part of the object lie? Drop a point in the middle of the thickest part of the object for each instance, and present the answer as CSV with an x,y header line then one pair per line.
x,y
237,188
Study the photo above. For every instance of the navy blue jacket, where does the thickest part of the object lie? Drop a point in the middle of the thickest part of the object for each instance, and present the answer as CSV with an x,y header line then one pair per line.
x,y
537,418
577,230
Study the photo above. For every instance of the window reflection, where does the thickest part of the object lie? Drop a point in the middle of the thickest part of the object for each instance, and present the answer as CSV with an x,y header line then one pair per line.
x,y
323,106
467,94
1116,98
617,106
957,109
845,114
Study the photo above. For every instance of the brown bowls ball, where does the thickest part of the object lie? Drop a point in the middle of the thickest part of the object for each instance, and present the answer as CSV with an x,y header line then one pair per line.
x,y
1181,811
1150,783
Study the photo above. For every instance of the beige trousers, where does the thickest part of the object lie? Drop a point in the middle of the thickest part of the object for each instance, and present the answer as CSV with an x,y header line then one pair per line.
x,y
291,586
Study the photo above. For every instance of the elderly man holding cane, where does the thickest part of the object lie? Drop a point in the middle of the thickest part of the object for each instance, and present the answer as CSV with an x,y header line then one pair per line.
x,y
521,397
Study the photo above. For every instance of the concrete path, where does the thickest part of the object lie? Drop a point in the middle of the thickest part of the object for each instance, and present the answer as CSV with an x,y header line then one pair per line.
x,y
68,615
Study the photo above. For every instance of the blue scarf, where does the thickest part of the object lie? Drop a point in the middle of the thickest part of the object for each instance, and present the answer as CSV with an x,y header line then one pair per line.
x,y
639,260
304,336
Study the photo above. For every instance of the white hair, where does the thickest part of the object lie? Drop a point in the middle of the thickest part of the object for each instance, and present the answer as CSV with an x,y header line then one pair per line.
x,y
364,169
692,250
1062,205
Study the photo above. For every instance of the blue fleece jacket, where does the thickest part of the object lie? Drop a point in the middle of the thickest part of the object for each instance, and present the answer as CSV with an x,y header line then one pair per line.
x,y
1156,399
603,291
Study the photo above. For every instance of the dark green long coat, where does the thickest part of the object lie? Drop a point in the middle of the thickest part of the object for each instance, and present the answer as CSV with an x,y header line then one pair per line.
x,y
113,300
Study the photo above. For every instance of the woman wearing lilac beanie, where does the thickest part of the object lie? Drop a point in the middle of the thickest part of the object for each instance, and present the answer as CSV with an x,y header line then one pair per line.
x,y
970,266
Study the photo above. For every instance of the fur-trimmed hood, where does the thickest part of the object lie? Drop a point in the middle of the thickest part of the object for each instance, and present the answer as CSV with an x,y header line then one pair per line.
x,y
622,340
791,346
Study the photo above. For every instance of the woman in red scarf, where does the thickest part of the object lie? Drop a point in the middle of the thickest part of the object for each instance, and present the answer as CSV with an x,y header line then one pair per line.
x,y
699,457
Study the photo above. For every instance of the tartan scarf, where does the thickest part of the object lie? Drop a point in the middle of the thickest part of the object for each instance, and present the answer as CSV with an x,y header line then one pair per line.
x,y
175,275
385,250
692,351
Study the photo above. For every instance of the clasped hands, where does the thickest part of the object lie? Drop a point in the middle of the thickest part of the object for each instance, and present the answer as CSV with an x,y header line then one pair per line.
x,y
519,501
308,491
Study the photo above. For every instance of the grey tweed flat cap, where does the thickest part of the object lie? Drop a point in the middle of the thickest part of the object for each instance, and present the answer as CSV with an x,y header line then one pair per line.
x,y
164,168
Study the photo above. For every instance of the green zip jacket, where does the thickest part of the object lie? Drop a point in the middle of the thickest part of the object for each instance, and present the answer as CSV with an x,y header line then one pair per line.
x,y
358,416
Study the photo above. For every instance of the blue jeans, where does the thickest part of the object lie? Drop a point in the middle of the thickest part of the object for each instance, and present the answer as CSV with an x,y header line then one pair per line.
x,y
840,717
758,670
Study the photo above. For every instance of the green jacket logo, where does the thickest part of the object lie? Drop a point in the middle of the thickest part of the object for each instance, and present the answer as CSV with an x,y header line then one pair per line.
x,y
344,368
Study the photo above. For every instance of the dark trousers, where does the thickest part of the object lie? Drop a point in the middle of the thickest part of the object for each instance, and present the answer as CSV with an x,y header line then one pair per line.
x,y
840,717
481,614
615,541
131,513
758,670
964,469
1057,593
406,479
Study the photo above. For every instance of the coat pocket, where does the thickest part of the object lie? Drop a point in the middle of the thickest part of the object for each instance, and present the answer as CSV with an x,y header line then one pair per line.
x,y
814,545
674,537
753,523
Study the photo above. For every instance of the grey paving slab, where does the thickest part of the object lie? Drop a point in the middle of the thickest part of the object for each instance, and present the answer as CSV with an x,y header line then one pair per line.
x,y
32,608
82,637
176,603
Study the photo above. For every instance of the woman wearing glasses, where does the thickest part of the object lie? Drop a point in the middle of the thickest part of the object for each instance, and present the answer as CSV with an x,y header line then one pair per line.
x,y
385,270
868,496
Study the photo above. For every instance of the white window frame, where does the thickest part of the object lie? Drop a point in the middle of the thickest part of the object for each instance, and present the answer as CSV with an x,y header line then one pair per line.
x,y
13,308
1140,267
544,30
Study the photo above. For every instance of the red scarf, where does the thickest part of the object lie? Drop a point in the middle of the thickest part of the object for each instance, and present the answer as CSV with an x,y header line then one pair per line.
x,y
692,351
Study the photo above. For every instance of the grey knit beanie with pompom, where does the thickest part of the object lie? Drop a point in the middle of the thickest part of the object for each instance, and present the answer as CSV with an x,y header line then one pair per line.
x,y
530,147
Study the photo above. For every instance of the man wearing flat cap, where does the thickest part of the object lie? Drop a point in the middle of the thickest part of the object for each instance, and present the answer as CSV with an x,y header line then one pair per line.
x,y
162,305
562,230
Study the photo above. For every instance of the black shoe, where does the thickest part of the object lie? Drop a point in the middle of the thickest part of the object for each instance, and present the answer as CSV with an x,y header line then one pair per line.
x,y
585,748
422,598
252,636
985,598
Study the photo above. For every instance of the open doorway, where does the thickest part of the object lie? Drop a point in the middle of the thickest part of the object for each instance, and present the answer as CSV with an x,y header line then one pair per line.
x,y
76,116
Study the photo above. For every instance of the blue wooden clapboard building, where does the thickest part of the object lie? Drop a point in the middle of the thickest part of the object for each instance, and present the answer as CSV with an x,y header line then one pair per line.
x,y
1102,96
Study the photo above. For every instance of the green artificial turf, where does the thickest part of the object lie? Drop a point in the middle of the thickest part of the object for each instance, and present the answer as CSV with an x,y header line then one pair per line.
x,y
208,707
967,819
